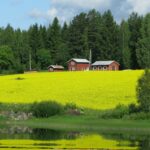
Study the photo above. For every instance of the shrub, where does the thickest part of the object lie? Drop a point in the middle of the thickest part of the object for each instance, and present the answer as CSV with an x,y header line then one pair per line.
x,y
116,113
15,107
138,116
133,108
70,106
143,92
46,109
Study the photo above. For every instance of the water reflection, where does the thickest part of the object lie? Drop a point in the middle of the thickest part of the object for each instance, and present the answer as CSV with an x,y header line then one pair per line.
x,y
27,138
47,134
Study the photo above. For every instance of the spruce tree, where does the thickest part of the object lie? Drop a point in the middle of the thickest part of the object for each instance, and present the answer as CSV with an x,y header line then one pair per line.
x,y
54,39
95,41
77,36
135,23
143,48
111,38
125,36
34,42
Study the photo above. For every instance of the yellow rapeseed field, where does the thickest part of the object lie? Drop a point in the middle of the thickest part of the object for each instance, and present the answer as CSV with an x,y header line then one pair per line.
x,y
98,90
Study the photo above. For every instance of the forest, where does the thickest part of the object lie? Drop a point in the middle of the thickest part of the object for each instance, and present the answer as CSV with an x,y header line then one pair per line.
x,y
38,47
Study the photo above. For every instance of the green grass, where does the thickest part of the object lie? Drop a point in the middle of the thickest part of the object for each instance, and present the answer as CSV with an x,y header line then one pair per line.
x,y
95,90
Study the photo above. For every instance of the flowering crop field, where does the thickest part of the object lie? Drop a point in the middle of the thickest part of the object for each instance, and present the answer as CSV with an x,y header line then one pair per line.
x,y
96,90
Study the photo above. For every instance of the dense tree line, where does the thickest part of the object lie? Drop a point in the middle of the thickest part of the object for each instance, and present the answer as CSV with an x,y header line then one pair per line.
x,y
39,46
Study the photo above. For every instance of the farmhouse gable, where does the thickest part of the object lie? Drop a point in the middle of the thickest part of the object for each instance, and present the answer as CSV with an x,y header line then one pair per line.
x,y
76,64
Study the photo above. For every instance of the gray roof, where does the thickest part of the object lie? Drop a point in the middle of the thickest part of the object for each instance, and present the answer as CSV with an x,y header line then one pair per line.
x,y
103,63
80,60
56,67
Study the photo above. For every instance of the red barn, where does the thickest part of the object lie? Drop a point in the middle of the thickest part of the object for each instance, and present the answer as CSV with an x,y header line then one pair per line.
x,y
55,68
76,64
105,65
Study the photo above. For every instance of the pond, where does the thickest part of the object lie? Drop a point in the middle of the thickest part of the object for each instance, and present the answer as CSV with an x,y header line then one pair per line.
x,y
14,138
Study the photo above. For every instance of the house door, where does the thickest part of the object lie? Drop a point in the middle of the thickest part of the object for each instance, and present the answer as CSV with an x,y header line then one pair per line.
x,y
73,69
113,68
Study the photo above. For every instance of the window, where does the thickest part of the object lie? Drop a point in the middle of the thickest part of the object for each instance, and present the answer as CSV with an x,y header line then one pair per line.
x,y
105,68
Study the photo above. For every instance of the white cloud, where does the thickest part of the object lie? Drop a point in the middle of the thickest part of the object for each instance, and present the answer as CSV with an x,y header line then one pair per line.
x,y
37,14
65,10
52,12
84,4
140,6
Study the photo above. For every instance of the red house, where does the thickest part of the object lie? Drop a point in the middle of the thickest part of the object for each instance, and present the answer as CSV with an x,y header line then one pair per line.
x,y
55,68
76,64
105,65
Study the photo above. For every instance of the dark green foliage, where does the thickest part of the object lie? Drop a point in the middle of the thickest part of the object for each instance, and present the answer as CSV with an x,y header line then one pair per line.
x,y
95,37
7,60
133,108
44,58
119,112
77,36
143,48
70,106
135,23
111,38
46,109
126,53
138,116
143,91
54,41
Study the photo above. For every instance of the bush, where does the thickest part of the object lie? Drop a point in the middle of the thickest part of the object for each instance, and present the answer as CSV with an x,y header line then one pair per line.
x,y
70,106
46,109
133,108
119,112
19,69
138,116
15,107
143,92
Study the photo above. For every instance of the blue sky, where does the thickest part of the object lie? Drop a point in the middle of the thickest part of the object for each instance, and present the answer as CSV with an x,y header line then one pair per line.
x,y
23,13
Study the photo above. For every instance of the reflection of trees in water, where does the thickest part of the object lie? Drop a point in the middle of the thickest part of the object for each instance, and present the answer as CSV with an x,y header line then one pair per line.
x,y
17,132
141,141
47,134
145,144
124,139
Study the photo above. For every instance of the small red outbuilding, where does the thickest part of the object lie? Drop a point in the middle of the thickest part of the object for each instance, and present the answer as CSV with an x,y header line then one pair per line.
x,y
55,68
76,64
